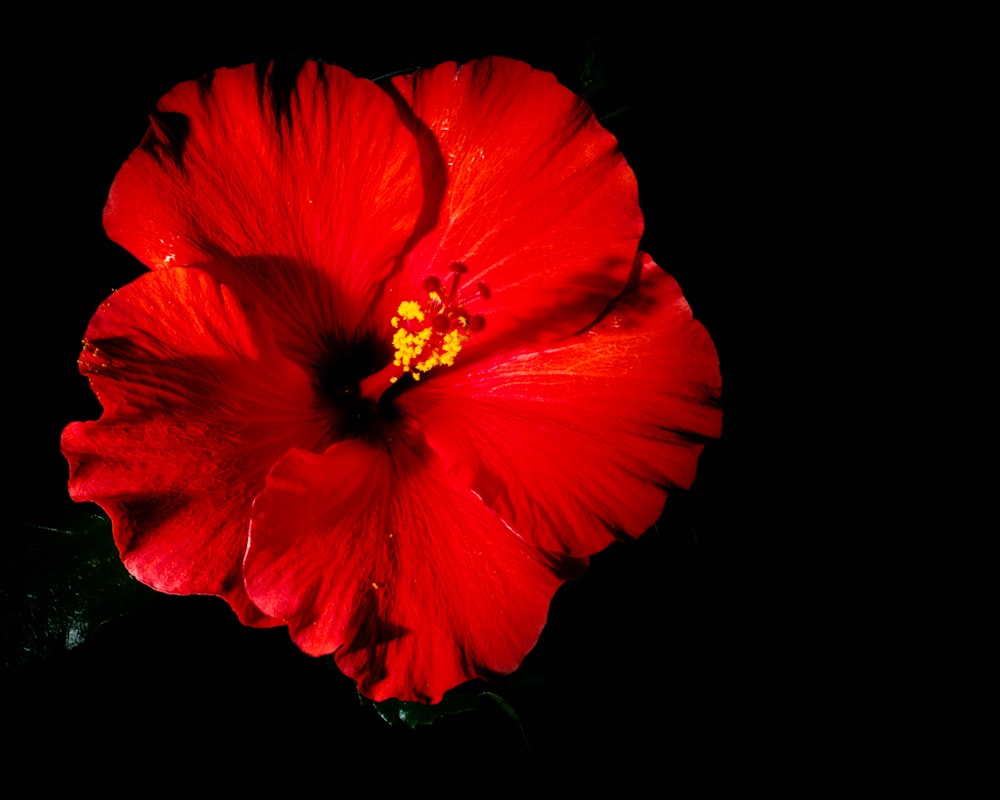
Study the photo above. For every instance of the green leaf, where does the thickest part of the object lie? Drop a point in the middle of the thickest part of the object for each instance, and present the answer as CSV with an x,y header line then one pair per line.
x,y
66,582
462,699
595,82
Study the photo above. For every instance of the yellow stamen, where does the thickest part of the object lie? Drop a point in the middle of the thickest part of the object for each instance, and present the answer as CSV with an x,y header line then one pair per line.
x,y
427,335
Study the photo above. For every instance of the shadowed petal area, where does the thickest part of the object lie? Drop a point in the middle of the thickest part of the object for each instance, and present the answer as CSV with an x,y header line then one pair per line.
x,y
198,404
540,204
296,188
375,555
579,443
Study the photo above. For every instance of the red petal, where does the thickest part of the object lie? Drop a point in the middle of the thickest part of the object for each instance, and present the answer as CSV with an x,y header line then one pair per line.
x,y
578,443
295,205
198,404
410,580
539,203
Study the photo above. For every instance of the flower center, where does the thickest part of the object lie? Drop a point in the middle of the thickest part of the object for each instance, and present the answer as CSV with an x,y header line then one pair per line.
x,y
428,333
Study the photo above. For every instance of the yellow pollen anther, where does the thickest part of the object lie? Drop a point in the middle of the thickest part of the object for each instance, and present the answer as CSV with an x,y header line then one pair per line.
x,y
428,334
410,310
431,334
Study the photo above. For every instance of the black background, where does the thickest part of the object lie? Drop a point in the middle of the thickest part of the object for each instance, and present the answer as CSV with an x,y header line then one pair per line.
x,y
675,655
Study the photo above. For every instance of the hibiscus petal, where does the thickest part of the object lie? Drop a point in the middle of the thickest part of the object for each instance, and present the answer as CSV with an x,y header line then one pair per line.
x,y
539,204
577,444
373,554
295,197
198,404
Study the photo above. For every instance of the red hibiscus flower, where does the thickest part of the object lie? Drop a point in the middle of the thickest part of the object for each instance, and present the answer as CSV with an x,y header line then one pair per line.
x,y
398,367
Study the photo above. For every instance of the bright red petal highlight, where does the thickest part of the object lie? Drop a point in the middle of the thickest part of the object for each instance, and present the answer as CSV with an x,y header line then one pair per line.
x,y
302,199
539,203
375,555
198,404
579,443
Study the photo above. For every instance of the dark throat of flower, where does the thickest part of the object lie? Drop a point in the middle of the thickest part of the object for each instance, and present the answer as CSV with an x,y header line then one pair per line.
x,y
428,333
